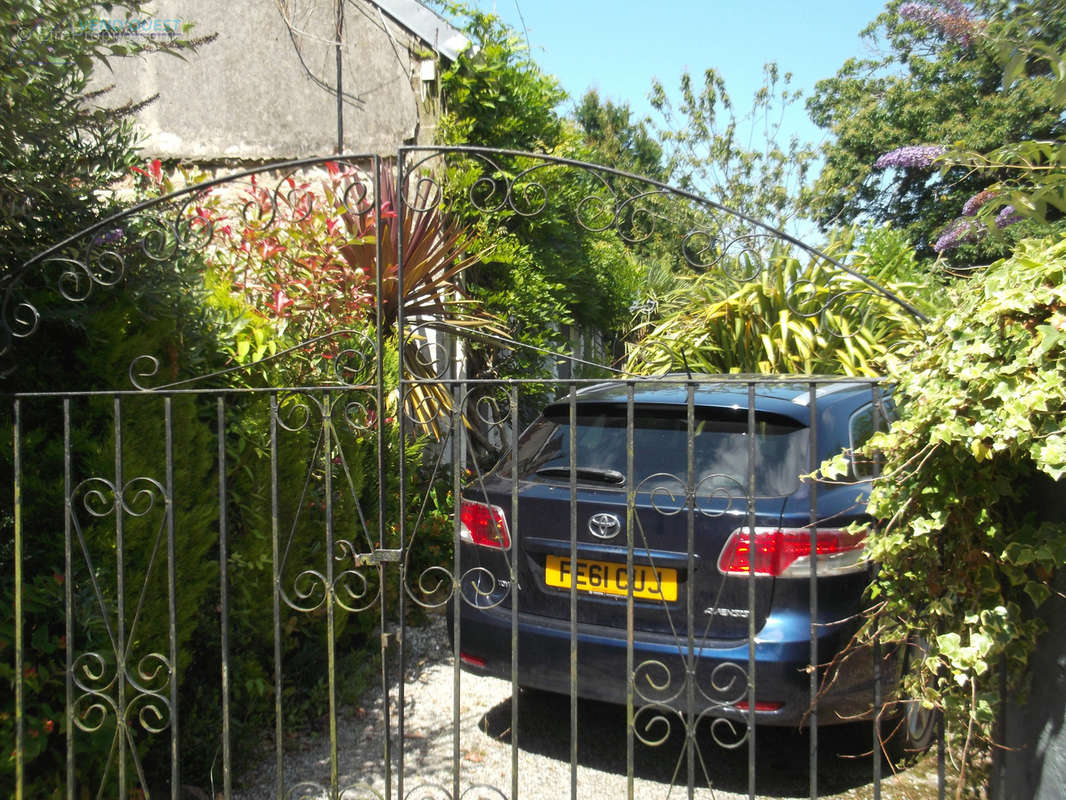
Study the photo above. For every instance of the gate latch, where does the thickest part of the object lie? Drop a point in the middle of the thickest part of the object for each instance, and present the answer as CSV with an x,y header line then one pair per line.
x,y
377,557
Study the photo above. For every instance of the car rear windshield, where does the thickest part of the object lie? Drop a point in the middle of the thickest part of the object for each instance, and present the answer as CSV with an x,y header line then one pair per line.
x,y
660,437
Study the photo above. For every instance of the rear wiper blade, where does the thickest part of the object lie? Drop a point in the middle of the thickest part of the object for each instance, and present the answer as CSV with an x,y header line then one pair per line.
x,y
584,473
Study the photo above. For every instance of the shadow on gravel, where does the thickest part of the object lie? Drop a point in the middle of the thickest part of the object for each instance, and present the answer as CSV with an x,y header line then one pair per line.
x,y
781,758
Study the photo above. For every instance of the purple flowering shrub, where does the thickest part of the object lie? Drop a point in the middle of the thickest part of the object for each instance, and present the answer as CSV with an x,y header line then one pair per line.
x,y
967,229
958,232
1027,175
953,20
975,203
1007,216
911,155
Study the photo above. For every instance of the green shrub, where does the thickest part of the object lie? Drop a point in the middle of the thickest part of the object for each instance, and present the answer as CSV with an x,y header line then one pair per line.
x,y
778,314
969,544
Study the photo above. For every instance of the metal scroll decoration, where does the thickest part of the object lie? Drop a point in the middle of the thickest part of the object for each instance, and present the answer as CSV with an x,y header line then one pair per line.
x,y
126,685
677,698
192,221
327,505
706,235
478,585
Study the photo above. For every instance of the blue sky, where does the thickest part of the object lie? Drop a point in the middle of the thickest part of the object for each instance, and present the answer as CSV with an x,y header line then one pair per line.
x,y
619,47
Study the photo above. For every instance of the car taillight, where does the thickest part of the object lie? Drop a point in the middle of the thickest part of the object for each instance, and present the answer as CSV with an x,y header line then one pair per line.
x,y
786,552
760,705
483,525
473,661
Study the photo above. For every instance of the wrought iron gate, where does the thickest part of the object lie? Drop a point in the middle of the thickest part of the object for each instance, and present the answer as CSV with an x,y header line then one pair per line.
x,y
316,523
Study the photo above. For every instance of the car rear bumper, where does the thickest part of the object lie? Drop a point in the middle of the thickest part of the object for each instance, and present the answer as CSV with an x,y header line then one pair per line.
x,y
662,665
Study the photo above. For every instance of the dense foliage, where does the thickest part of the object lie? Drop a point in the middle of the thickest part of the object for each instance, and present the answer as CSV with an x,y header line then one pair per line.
x,y
973,534
784,314
60,154
495,95
617,139
57,152
541,272
971,498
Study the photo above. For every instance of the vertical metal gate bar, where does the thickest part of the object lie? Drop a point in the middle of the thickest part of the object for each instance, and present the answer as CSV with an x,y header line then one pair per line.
x,y
401,607
223,583
690,589
275,552
878,748
457,586
331,606
120,604
999,736
20,698
172,601
751,591
631,502
572,398
941,743
513,561
379,429
68,594
877,745
941,760
812,464
339,58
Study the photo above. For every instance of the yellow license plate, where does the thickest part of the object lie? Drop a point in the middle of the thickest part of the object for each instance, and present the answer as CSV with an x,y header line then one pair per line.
x,y
608,577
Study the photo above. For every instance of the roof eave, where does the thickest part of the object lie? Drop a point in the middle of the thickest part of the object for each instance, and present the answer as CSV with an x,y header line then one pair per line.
x,y
427,25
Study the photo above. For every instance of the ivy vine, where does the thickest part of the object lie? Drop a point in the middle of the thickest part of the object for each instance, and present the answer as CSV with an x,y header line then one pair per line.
x,y
971,498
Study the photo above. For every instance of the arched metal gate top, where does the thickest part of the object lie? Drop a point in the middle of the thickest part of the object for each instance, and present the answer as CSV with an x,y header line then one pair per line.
x,y
621,194
511,182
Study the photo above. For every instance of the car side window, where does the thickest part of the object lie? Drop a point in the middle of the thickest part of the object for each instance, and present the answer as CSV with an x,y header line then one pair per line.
x,y
861,427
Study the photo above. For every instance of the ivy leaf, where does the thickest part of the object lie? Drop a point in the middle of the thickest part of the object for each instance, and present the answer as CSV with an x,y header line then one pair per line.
x,y
1038,592
981,451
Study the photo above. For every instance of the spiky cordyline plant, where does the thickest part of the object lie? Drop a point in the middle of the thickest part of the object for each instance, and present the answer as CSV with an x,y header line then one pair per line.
x,y
790,318
312,270
435,252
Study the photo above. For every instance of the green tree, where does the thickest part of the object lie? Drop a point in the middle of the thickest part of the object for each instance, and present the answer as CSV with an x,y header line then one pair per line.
x,y
61,150
494,93
702,138
1029,176
75,324
939,83
618,140
545,270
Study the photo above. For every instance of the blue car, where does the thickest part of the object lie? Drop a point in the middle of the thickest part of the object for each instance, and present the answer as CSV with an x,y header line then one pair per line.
x,y
717,550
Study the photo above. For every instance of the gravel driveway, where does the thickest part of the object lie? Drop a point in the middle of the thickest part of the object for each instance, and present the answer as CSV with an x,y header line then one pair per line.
x,y
544,772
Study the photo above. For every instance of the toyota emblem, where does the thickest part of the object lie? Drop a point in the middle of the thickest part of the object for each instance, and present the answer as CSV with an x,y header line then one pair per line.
x,y
604,526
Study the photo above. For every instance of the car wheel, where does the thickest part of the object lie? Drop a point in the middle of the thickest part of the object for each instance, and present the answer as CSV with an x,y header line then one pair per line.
x,y
911,728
